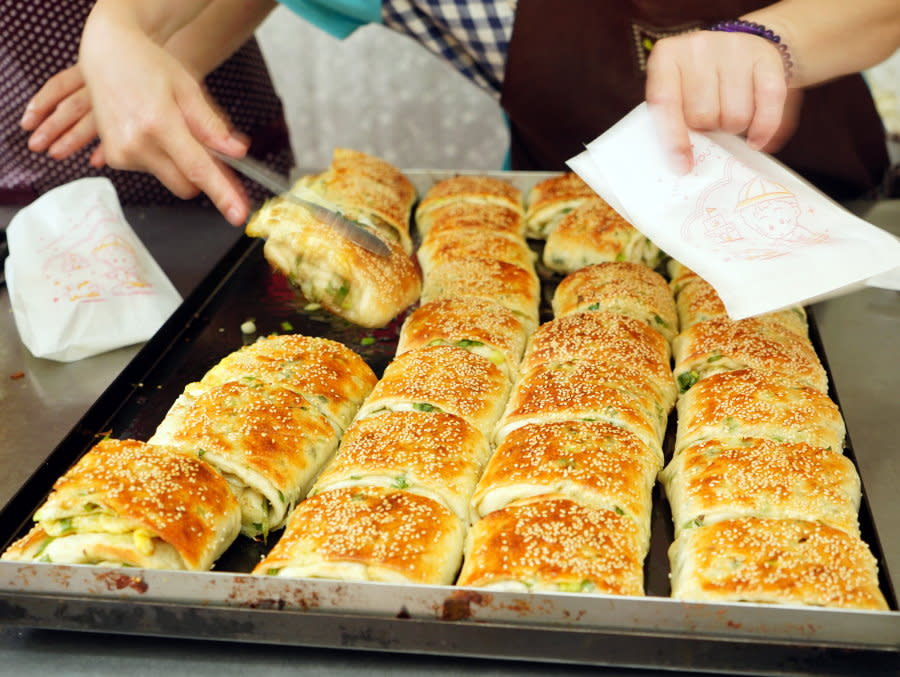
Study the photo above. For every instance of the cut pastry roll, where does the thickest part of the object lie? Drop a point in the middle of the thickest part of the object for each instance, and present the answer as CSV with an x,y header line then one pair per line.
x,y
596,233
467,216
512,286
367,189
579,390
554,544
698,301
478,325
469,190
347,280
719,345
448,245
626,288
774,561
436,455
605,337
369,534
595,464
679,275
548,201
714,480
329,374
127,503
267,441
441,379
753,403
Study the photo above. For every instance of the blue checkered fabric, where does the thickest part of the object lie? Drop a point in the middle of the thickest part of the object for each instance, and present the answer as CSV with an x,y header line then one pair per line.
x,y
472,35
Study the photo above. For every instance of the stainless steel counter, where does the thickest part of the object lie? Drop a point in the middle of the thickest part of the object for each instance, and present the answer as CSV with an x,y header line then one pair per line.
x,y
40,401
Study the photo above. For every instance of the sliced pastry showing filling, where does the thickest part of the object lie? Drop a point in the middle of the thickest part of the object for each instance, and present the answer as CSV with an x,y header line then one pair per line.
x,y
579,390
345,279
719,345
776,561
467,216
698,301
329,374
619,287
554,544
441,379
592,463
369,534
129,503
604,337
750,477
754,403
468,189
365,188
436,455
593,233
548,201
512,286
679,275
267,441
440,246
481,326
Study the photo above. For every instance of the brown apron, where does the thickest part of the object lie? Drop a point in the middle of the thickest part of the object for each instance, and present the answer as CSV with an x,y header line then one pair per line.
x,y
574,68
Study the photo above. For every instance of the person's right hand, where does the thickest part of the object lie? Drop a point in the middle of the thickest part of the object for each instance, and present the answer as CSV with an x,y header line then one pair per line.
x,y
153,116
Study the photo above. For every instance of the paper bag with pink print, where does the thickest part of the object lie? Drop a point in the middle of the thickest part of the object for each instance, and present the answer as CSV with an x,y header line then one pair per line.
x,y
80,281
761,235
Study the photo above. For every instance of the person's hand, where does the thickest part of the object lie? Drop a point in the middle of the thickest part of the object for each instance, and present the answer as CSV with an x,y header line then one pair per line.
x,y
708,80
153,116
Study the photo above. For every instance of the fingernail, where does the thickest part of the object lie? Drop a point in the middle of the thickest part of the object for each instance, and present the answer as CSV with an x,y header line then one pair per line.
x,y
28,118
234,216
37,141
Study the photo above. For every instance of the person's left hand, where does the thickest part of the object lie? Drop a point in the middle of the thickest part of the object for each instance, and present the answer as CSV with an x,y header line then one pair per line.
x,y
707,80
60,118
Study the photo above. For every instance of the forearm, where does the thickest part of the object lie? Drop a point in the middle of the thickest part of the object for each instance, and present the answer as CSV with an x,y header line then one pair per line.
x,y
159,19
217,32
830,38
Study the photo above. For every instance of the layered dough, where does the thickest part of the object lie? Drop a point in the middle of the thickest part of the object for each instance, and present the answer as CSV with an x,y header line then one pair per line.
x,y
126,502
466,191
550,200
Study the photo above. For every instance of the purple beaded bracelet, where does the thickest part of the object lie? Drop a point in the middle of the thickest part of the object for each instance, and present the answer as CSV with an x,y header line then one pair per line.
x,y
741,26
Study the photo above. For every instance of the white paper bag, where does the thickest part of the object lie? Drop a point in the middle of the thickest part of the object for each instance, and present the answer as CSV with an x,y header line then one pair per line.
x,y
762,236
80,281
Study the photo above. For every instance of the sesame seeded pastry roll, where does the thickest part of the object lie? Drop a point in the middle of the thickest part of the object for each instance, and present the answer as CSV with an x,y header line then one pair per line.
x,y
512,286
129,503
553,544
467,216
592,463
698,301
441,379
750,477
366,189
347,280
774,561
593,233
267,441
436,455
465,189
550,200
369,534
579,390
753,403
447,245
605,337
679,275
329,374
478,325
620,287
715,346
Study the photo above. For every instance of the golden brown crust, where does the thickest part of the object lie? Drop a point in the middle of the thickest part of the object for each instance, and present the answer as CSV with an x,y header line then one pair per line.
x,y
626,288
445,245
774,561
551,199
464,216
755,403
394,535
757,343
553,543
435,454
750,477
467,189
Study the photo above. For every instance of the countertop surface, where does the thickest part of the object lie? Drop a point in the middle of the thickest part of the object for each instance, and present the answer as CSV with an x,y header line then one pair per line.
x,y
41,401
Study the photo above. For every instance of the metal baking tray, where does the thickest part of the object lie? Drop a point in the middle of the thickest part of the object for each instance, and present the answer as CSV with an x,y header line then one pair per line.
x,y
228,604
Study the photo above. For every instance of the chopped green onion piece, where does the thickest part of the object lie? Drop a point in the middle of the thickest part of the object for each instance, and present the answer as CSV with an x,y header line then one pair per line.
x,y
287,326
367,340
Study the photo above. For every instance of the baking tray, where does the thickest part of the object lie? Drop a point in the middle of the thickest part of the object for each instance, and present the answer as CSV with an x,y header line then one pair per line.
x,y
229,604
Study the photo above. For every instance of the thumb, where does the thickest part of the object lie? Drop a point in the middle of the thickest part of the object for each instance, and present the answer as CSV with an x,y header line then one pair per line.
x,y
208,125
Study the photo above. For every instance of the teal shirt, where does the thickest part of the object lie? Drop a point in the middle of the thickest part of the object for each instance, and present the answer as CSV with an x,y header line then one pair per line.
x,y
337,17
